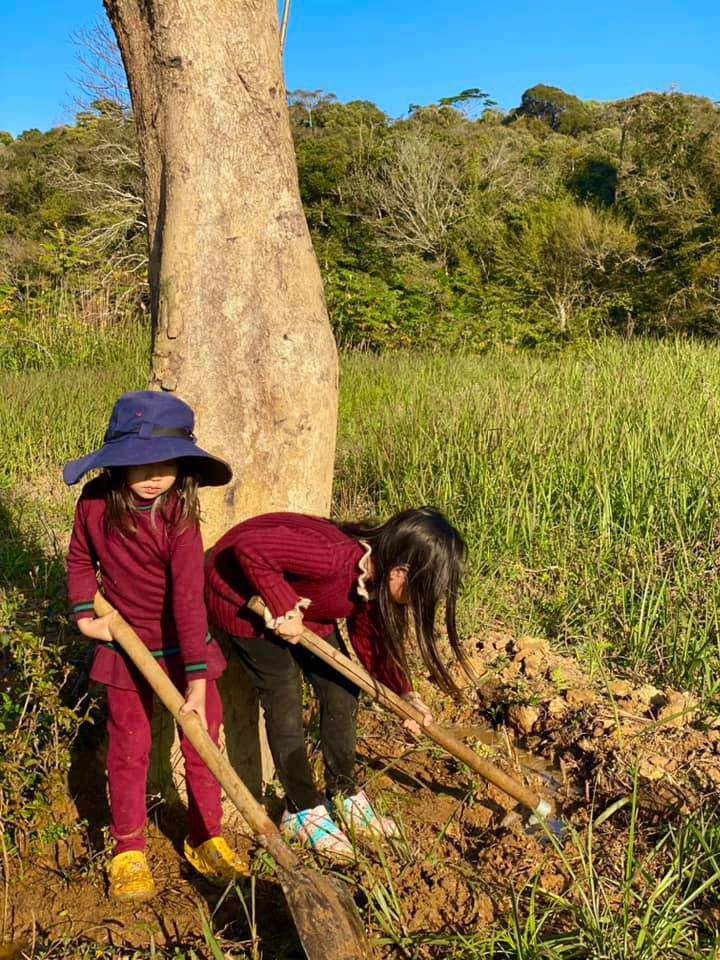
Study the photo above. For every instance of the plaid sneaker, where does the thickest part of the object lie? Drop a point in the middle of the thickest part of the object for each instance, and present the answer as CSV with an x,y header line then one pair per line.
x,y
316,828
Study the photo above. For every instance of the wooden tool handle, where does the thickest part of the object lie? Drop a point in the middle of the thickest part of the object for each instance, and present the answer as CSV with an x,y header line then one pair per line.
x,y
218,764
405,709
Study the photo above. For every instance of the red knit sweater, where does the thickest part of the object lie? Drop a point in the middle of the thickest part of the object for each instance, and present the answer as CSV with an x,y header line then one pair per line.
x,y
286,557
153,577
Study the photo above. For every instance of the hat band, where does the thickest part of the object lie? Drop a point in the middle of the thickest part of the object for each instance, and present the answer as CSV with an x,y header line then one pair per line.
x,y
151,430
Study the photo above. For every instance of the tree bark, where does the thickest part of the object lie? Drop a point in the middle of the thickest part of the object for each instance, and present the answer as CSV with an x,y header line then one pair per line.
x,y
239,319
240,328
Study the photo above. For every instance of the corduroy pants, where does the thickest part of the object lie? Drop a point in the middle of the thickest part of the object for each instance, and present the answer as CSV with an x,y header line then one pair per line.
x,y
129,741
275,668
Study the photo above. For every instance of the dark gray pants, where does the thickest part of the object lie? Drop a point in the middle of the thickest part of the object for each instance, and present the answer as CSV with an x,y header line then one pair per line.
x,y
275,668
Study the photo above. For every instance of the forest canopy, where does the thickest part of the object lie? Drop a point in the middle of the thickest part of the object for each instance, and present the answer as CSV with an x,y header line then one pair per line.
x,y
457,225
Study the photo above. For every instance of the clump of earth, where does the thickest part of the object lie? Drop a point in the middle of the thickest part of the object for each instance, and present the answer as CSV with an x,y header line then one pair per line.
x,y
601,734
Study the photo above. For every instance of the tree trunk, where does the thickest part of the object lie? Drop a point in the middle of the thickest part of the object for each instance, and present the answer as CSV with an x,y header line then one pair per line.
x,y
240,325
240,329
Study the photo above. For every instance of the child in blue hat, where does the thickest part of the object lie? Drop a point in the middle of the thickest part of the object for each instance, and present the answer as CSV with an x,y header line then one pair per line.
x,y
137,526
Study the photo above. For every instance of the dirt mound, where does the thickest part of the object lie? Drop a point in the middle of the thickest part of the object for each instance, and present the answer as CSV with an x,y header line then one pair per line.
x,y
601,733
63,897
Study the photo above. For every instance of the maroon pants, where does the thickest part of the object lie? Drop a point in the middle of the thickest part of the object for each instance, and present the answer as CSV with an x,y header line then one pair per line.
x,y
129,714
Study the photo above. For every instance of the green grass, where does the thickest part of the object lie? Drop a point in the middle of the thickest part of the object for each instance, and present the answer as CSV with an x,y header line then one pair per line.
x,y
622,897
65,328
586,483
654,904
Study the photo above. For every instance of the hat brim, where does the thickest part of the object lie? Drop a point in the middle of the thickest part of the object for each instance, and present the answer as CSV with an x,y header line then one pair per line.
x,y
134,451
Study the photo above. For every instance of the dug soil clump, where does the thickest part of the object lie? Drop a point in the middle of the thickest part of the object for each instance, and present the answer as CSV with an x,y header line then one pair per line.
x,y
601,734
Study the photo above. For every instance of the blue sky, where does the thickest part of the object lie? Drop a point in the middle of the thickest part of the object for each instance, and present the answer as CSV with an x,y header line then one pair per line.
x,y
396,53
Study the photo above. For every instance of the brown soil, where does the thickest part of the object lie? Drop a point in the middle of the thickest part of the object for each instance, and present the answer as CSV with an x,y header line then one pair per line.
x,y
580,739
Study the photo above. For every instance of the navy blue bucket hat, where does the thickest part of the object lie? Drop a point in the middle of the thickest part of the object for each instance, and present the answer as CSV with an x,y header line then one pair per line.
x,y
149,427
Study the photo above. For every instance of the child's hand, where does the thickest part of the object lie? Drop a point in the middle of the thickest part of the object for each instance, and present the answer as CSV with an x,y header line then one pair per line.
x,y
97,628
427,717
291,629
195,700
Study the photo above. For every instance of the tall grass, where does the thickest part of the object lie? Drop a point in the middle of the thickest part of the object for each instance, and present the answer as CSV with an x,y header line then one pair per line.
x,y
67,328
586,483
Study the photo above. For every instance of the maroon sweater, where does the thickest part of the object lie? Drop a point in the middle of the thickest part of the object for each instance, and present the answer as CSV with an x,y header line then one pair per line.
x,y
153,577
286,557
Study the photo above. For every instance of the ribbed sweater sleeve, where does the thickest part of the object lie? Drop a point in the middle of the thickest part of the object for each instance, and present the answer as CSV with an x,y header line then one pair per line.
x,y
81,567
367,642
270,555
188,602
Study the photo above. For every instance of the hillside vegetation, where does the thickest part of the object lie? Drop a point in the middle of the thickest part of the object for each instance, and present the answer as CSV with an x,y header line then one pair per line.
x,y
456,226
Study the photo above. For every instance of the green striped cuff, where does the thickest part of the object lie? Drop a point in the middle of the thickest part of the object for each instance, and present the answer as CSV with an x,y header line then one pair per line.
x,y
158,654
80,610
195,667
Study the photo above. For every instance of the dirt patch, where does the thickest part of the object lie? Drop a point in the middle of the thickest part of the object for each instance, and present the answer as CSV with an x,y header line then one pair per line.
x,y
64,898
535,713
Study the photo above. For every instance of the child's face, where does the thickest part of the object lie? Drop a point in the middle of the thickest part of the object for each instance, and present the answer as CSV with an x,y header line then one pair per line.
x,y
149,480
397,585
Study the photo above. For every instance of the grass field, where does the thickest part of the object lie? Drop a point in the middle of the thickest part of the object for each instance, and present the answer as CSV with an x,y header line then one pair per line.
x,y
586,484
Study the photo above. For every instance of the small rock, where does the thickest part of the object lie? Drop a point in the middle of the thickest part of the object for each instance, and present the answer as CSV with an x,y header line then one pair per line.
x,y
680,710
532,643
477,665
533,663
580,697
524,717
652,767
557,708
650,772
495,642
649,695
552,882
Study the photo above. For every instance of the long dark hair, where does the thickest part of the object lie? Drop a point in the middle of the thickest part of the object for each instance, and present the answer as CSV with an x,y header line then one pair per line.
x,y
179,506
432,550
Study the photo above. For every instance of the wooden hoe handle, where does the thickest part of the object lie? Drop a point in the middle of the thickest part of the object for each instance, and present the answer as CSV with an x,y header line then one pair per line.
x,y
218,764
405,709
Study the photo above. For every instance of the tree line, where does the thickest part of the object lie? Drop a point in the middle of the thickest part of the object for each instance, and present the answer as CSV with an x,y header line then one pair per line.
x,y
456,225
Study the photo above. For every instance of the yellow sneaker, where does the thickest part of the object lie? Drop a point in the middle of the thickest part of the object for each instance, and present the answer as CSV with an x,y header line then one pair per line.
x,y
217,861
130,877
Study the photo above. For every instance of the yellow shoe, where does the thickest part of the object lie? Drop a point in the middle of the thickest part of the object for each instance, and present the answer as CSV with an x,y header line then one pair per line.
x,y
217,861
130,877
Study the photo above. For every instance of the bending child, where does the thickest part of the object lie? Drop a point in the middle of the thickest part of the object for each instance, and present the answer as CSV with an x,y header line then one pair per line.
x,y
137,523
310,571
